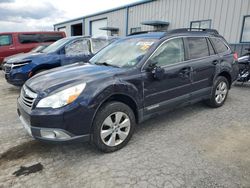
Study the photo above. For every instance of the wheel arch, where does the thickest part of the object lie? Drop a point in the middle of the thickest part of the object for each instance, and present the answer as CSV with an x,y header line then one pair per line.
x,y
227,76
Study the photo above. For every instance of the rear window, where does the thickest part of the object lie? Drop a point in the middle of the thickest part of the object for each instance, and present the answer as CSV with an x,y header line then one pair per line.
x,y
198,47
5,40
38,38
219,45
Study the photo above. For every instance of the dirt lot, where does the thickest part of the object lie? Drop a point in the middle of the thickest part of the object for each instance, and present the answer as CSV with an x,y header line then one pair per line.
x,y
190,147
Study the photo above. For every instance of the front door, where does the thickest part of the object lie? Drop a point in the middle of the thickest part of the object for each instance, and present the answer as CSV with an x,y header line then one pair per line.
x,y
7,47
175,86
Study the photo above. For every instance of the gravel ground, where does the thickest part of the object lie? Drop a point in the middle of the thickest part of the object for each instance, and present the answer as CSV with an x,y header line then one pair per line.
x,y
194,146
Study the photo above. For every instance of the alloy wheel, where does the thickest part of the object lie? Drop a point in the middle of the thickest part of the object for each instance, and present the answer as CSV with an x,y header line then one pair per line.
x,y
115,129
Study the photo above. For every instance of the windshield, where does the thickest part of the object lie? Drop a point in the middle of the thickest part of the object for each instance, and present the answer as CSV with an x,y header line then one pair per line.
x,y
55,46
123,53
39,48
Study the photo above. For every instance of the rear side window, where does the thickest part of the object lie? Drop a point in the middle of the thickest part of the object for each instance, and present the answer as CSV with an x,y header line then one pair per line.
x,y
219,45
198,47
5,40
28,38
50,37
38,38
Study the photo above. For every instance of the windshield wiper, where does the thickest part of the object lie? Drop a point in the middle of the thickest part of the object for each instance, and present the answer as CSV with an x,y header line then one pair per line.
x,y
106,64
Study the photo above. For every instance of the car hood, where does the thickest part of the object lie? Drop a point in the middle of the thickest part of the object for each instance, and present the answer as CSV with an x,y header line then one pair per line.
x,y
70,75
28,56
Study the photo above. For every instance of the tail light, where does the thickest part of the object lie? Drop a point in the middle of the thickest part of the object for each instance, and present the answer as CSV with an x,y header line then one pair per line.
x,y
236,56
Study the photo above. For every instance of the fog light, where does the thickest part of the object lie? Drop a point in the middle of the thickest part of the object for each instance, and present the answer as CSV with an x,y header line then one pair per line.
x,y
47,134
54,134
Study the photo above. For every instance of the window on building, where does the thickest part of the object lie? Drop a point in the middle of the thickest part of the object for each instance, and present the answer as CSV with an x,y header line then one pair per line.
x,y
198,47
219,45
201,24
245,35
169,53
5,40
135,30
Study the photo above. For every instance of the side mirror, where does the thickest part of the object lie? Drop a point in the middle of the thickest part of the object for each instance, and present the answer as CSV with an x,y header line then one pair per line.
x,y
158,73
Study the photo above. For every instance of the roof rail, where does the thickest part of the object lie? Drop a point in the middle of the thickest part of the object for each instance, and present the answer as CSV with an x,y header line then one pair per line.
x,y
139,32
184,30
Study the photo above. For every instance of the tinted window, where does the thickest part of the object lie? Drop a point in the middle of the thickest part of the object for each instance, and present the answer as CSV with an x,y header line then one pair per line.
x,y
5,40
210,47
219,45
198,47
169,53
50,37
29,38
77,47
98,44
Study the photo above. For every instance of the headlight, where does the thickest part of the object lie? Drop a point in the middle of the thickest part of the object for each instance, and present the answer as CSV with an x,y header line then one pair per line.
x,y
61,98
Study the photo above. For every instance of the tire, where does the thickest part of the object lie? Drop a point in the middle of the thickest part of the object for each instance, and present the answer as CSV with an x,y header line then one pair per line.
x,y
219,92
113,126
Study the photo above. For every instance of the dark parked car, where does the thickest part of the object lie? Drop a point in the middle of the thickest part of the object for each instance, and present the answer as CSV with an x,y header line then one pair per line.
x,y
127,82
63,52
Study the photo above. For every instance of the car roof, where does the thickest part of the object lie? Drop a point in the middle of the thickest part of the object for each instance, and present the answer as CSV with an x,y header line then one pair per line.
x,y
156,35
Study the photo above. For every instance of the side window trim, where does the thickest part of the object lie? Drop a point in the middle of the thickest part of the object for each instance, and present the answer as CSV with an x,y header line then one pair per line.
x,y
209,42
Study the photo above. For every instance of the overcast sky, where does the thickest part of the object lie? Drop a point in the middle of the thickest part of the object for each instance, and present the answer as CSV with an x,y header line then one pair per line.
x,y
36,15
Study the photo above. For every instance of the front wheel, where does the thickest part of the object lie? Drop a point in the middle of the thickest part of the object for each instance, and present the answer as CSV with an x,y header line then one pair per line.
x,y
219,92
113,126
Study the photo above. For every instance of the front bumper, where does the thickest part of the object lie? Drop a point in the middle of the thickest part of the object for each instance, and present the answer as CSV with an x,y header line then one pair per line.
x,y
17,77
64,125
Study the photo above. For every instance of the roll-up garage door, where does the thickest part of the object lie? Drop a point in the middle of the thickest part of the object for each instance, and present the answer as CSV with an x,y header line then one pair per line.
x,y
96,25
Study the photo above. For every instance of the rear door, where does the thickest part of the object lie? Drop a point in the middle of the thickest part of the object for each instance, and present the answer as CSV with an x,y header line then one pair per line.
x,y
203,60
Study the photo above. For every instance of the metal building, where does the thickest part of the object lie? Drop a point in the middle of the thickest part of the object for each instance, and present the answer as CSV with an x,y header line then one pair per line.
x,y
230,17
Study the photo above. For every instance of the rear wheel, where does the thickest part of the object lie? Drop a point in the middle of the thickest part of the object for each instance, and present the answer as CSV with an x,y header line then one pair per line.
x,y
113,126
219,92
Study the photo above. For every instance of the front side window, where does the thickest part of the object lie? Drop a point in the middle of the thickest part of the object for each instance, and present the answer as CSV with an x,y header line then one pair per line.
x,y
201,24
98,44
219,45
245,36
124,53
169,53
5,40
78,47
198,47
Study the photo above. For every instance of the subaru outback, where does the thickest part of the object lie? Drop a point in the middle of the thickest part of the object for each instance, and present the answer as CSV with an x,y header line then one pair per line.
x,y
127,82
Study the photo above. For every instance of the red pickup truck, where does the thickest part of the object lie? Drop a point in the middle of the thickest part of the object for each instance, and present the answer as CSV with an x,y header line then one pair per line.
x,y
17,42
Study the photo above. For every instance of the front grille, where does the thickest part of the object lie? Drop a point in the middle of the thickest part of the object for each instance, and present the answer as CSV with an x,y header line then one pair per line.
x,y
28,97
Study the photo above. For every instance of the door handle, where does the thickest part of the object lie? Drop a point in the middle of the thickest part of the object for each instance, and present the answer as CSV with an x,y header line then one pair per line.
x,y
185,72
12,48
